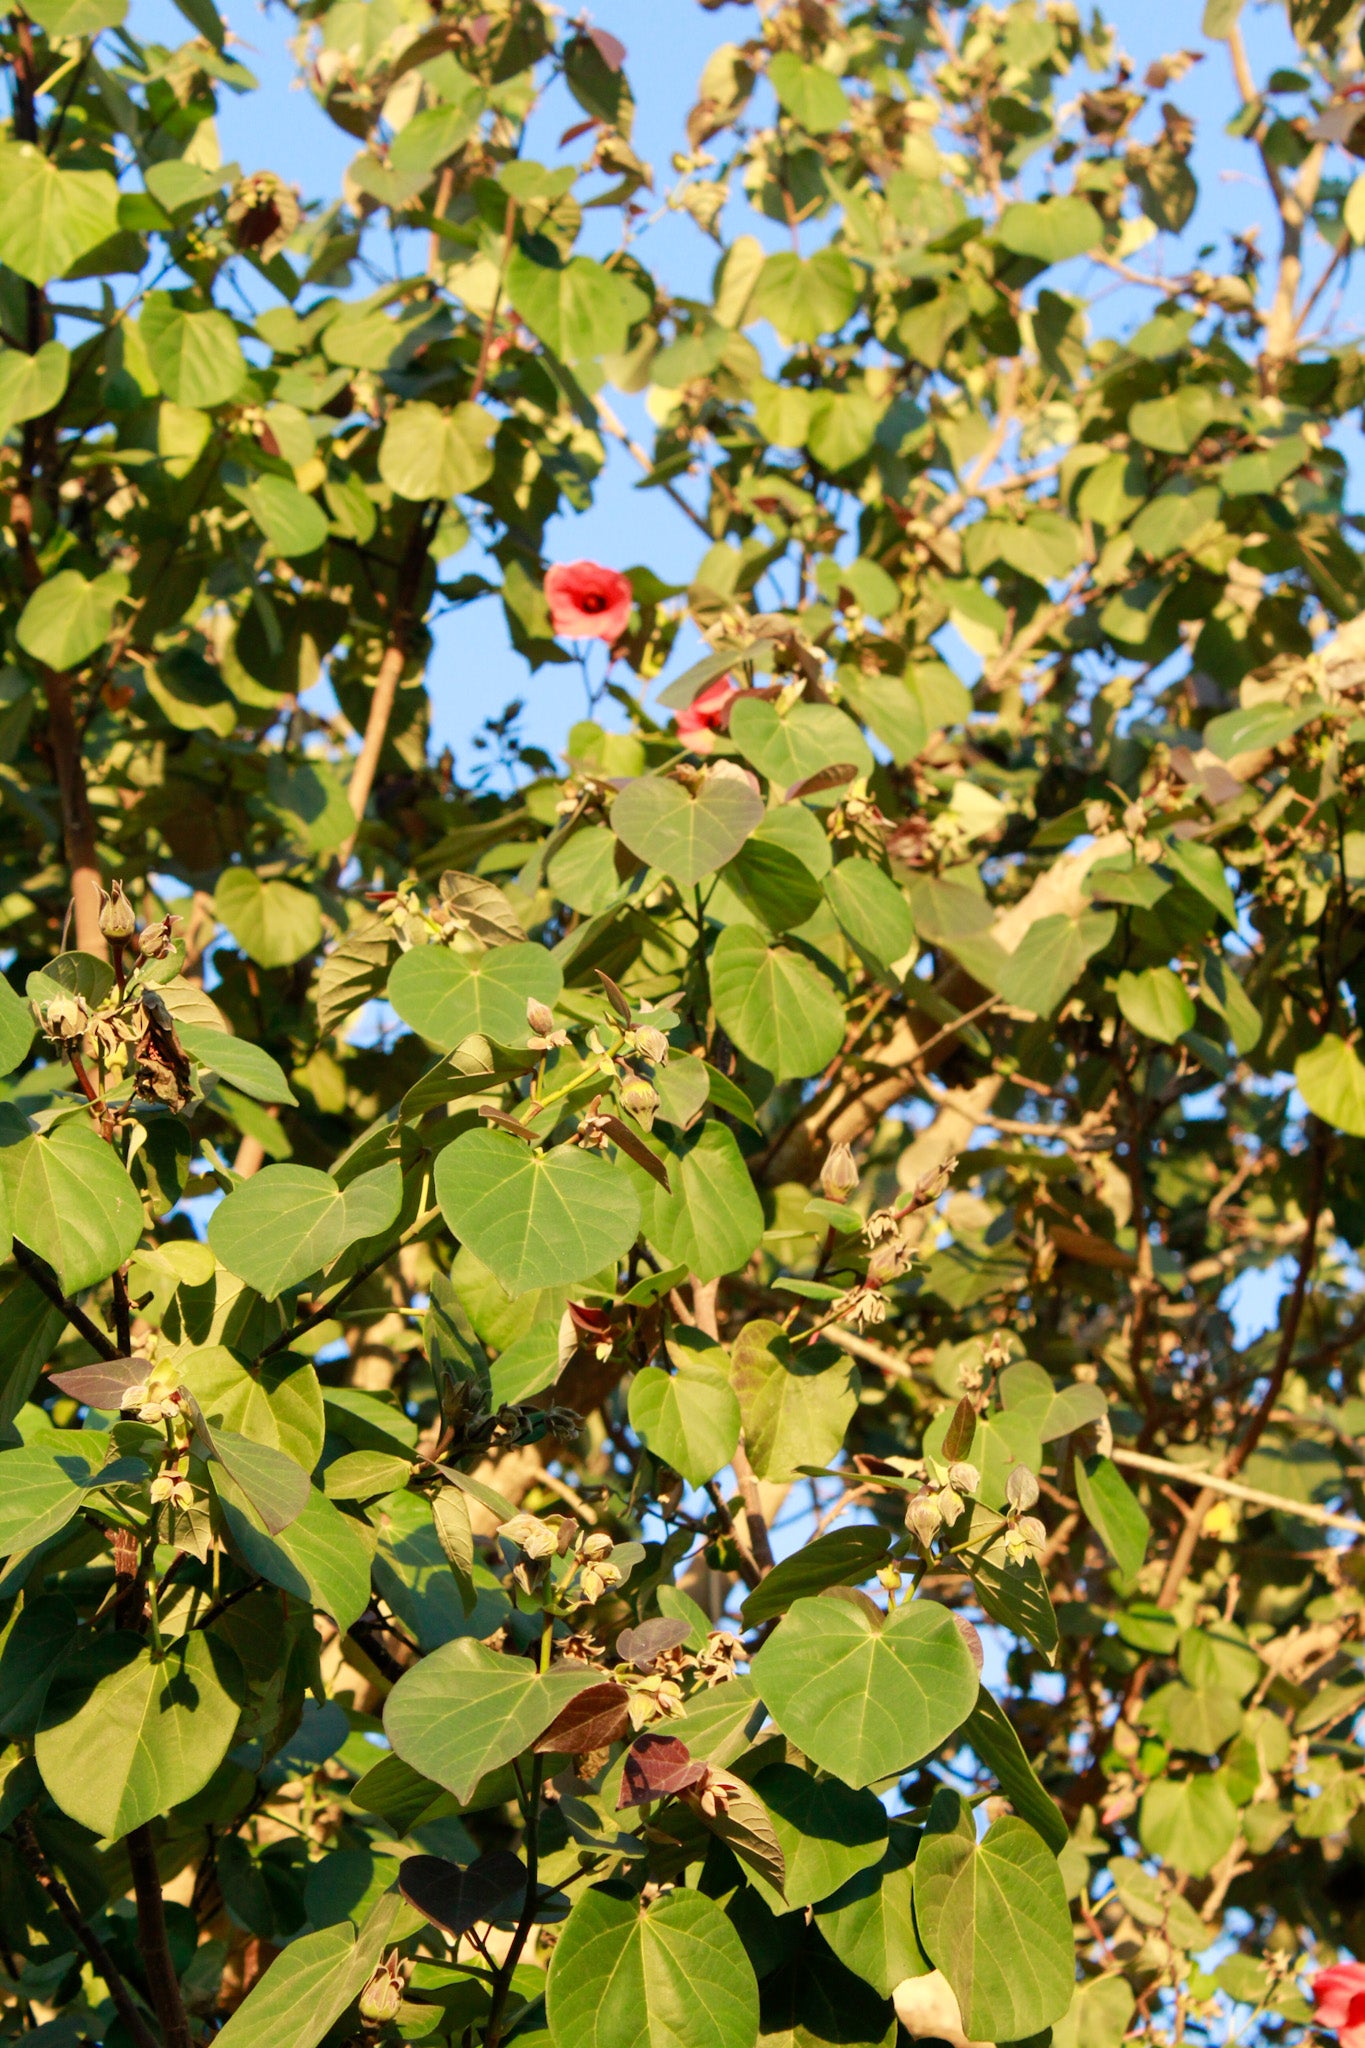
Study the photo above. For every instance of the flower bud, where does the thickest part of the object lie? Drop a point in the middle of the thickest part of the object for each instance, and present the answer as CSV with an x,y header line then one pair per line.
x,y
964,1478
1033,1532
539,1016
839,1174
950,1505
117,918
640,1099
596,1546
652,1044
1021,1488
383,1995
931,1185
923,1519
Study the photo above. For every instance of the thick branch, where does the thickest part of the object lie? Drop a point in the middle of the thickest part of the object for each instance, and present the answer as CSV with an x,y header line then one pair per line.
x,y
153,1942
78,824
391,667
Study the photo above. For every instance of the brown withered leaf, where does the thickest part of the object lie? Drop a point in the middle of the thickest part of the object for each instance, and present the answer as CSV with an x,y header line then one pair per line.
x,y
594,1720
961,1430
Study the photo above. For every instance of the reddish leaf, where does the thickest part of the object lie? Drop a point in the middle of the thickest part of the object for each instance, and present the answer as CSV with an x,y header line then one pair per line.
x,y
823,778
597,1718
640,1646
637,1149
492,1887
101,1386
656,1768
615,996
961,1430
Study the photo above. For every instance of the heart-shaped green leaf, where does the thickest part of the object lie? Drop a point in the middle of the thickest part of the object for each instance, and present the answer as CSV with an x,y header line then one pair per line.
x,y
689,1418
126,1735
687,833
50,218
67,618
866,1696
673,1976
826,1831
448,996
289,1221
45,1482
789,746
993,1917
466,1709
709,1219
70,1199
796,1404
536,1219
319,1557
274,923
778,1009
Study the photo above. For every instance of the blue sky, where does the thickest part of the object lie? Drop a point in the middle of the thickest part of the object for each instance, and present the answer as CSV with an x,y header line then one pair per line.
x,y
474,671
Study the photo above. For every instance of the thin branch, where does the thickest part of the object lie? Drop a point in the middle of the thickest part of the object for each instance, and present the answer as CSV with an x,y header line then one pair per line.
x,y
607,418
44,1280
325,1308
124,2004
1233,1489
1189,1536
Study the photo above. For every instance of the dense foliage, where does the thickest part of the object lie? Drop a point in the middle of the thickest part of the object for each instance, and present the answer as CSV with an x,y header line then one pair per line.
x,y
623,1408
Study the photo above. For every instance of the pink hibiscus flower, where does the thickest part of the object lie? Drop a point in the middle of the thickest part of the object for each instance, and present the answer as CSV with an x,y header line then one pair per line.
x,y
588,601
706,715
1338,1998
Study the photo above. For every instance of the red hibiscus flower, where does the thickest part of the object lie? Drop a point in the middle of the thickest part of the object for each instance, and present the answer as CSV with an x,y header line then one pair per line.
x,y
1338,1998
588,602
706,715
